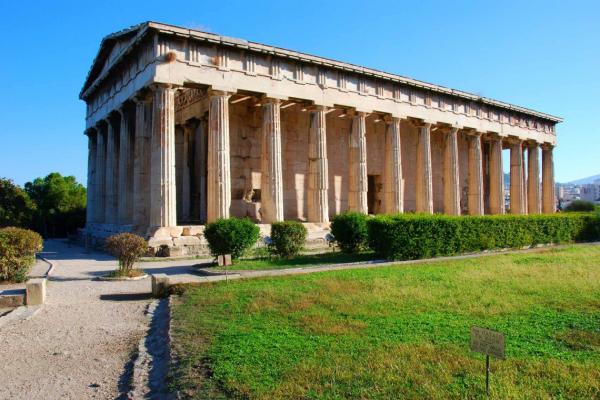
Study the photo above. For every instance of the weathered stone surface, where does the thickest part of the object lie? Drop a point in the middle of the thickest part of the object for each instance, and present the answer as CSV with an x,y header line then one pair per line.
x,y
187,241
160,285
35,291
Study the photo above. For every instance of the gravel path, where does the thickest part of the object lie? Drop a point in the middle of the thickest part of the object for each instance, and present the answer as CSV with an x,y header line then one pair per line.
x,y
79,345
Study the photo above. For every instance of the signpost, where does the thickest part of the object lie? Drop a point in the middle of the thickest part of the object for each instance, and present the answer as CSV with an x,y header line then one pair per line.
x,y
490,343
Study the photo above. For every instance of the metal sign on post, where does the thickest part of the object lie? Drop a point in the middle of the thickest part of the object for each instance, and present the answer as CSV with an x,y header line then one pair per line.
x,y
490,343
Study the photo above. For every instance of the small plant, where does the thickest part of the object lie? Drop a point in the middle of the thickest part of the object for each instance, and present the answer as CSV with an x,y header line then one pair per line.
x,y
128,248
231,236
287,238
350,231
580,206
17,253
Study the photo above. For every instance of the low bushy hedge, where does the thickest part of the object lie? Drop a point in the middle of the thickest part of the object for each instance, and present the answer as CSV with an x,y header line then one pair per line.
x,y
350,231
287,238
17,253
414,236
580,206
231,236
128,248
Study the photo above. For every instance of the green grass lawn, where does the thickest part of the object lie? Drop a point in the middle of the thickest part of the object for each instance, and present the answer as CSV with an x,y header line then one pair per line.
x,y
397,332
304,260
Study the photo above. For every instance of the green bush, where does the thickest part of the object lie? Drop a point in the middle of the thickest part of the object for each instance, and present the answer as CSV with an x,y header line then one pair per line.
x,y
414,236
580,206
350,231
287,238
231,236
17,253
128,248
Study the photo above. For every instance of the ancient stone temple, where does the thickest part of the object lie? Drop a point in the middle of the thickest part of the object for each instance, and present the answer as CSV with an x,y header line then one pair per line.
x,y
186,127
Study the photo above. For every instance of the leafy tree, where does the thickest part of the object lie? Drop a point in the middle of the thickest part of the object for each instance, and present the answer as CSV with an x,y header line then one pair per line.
x,y
16,207
61,202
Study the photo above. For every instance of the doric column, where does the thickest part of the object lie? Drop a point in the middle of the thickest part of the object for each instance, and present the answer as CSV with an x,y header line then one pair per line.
x,y
100,203
357,182
392,172
534,205
318,170
189,129
219,175
548,191
91,177
517,186
496,177
141,163
271,171
126,161
112,172
163,200
201,145
424,185
475,197
451,174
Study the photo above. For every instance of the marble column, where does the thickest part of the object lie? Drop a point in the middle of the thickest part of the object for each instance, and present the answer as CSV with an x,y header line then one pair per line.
x,y
141,163
271,207
392,172
534,205
219,169
318,170
91,177
126,160
451,174
357,182
112,172
163,202
475,196
424,185
189,130
517,185
200,160
496,177
100,203
548,187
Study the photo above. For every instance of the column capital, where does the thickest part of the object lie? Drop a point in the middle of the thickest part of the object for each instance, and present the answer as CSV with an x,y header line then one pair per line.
x,y
142,96
547,146
391,119
91,131
513,140
357,113
190,124
270,100
420,123
316,108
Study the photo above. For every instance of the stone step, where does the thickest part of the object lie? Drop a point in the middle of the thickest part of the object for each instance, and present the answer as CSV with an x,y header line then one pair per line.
x,y
11,298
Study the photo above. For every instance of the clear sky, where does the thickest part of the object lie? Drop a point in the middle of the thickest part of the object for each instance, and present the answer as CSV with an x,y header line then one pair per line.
x,y
543,55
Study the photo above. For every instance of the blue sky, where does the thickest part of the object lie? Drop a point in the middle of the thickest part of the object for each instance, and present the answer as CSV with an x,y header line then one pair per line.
x,y
543,55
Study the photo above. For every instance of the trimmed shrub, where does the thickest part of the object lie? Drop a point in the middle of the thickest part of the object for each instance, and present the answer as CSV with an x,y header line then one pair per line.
x,y
128,248
231,236
414,236
287,238
350,231
580,206
17,253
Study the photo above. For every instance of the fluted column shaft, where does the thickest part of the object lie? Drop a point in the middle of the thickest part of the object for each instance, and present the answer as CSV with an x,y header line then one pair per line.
x,y
126,161
91,177
424,185
496,177
548,190
219,175
163,202
357,182
517,185
141,163
475,197
112,173
100,203
393,196
451,174
318,170
271,170
534,205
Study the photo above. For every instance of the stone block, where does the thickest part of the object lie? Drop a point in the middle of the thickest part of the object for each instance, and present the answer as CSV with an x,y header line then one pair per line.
x,y
186,241
160,285
157,242
224,260
35,292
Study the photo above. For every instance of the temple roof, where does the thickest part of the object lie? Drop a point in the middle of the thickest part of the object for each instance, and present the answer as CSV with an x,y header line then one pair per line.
x,y
114,46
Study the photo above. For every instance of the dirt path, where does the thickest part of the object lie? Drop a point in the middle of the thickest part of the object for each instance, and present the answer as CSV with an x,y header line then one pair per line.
x,y
79,344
